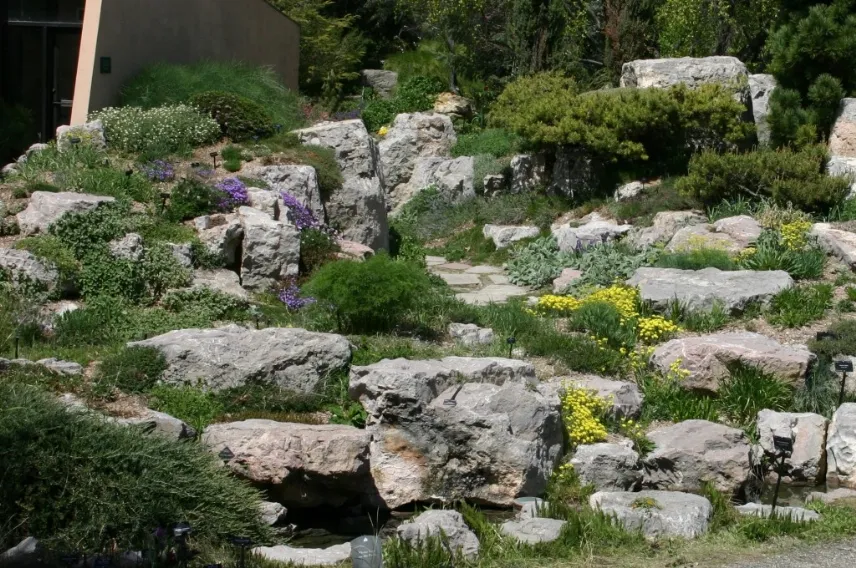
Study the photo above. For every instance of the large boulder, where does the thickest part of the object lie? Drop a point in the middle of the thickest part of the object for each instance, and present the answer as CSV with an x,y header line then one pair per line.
x,y
221,235
498,440
842,140
232,356
381,81
270,250
470,334
840,244
761,87
452,177
220,280
608,467
706,359
290,556
453,105
300,465
703,289
657,514
88,134
807,464
449,526
596,231
298,181
161,424
26,269
46,208
412,136
358,208
528,173
743,229
692,453
690,71
664,227
840,444
503,235
732,234
624,398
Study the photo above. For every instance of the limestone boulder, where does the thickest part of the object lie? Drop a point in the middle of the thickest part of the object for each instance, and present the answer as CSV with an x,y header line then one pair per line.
x,y
596,231
87,134
696,237
470,334
703,289
838,243
608,467
842,140
412,136
707,358
664,227
528,172
493,185
60,367
381,81
761,87
264,200
270,250
26,269
272,513
453,105
807,464
796,514
657,514
291,556
690,71
46,208
452,177
300,182
629,190
504,235
220,280
840,444
624,398
358,208
232,356
162,424
129,247
533,531
743,229
300,465
694,452
222,236
447,525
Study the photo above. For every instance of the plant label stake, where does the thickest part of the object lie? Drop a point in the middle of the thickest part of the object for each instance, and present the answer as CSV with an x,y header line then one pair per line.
x,y
784,446
226,454
214,158
845,367
511,341
452,401
243,543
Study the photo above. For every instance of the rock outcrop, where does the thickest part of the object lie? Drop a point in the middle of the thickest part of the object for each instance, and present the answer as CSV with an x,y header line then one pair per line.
x,y
807,464
270,250
221,235
26,269
46,208
452,177
446,525
528,172
838,243
383,82
298,181
690,71
657,514
841,439
664,227
608,467
596,231
761,87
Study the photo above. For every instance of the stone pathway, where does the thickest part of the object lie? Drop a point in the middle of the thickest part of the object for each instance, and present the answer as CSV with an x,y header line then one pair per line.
x,y
477,285
827,555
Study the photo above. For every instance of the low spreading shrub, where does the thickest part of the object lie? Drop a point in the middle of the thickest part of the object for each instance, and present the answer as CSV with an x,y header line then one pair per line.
x,y
239,117
697,259
132,370
494,142
51,249
842,342
83,232
192,198
192,405
216,305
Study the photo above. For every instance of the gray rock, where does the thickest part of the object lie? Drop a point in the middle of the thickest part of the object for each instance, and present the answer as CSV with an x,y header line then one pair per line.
x,y
492,294
666,224
412,136
493,184
838,243
220,280
840,441
595,232
453,105
503,235
528,172
89,134
629,190
842,140
27,550
299,181
797,514
608,467
448,525
129,247
221,235
231,356
270,251
693,72
46,208
9,170
300,465
358,208
36,149
67,368
533,531
272,513
574,174
162,424
691,453
807,464
459,280
331,556
670,514
383,82
624,398
452,177
761,87
530,508
839,494
702,289
25,268
470,334
743,229
706,358
265,201
843,167
182,253
705,236
565,279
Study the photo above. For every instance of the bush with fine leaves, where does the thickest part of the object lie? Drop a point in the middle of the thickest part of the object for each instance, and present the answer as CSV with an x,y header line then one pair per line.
x,y
239,117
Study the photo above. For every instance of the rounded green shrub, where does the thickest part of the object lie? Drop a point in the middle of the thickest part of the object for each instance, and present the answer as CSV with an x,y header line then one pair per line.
x,y
239,117
191,198
132,370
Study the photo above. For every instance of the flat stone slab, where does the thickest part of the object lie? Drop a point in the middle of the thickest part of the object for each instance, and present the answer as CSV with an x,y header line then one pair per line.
x,y
453,266
306,556
832,496
435,260
702,289
503,235
492,294
484,269
533,531
457,279
838,243
657,514
797,514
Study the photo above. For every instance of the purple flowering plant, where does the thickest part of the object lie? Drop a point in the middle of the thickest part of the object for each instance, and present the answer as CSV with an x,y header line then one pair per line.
x,y
234,193
159,171
291,297
301,215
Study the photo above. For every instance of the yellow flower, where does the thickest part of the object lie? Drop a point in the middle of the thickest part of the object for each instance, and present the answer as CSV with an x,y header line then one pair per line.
x,y
383,131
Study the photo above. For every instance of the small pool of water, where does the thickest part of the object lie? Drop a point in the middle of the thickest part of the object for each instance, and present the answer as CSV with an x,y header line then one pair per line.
x,y
791,496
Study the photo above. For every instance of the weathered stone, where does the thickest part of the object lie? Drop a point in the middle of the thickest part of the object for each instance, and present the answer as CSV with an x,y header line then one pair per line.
x,y
574,174
840,442
383,82
25,553
528,172
533,531
129,247
270,251
272,513
702,289
470,334
840,494
88,134
693,72
182,253
706,358
452,177
354,251
220,280
629,190
657,514
484,269
162,424
222,236
842,140
493,184
67,368
231,356
530,508
265,201
36,149
503,235
300,182
797,514
358,208
841,166
300,465
608,467
460,280
46,208
594,232
840,244
705,236
25,268
743,229
448,525
666,224
807,464
625,400
492,294
692,453
565,279
331,556
761,87
9,170
454,105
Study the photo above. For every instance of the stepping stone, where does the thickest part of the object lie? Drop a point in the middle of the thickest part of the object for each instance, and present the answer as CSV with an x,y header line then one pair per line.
x,y
453,266
533,531
658,514
306,556
458,279
492,294
499,279
435,260
832,496
484,269
797,514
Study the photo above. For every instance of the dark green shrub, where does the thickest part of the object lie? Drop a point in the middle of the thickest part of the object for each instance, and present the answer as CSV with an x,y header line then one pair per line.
x,y
414,94
83,232
100,322
785,176
216,305
192,198
697,259
378,113
604,321
494,141
316,249
161,271
844,342
239,117
132,370
74,481
192,405
371,295
104,275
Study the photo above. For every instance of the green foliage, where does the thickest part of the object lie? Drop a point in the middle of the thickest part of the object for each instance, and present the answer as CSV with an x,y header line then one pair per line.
x,y
690,27
132,370
192,198
82,232
697,259
472,246
843,344
604,321
239,117
371,295
216,305
493,141
53,250
192,405
104,275
640,210
316,249
110,182
538,263
161,270
785,176
485,165
414,94
800,305
81,478
748,391
667,399
724,514
433,551
770,254
166,83
701,321
819,392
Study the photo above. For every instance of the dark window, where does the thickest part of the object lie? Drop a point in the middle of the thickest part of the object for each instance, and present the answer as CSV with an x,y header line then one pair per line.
x,y
54,11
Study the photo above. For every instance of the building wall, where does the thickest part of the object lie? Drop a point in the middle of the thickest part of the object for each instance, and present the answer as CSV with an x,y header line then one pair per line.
x,y
136,33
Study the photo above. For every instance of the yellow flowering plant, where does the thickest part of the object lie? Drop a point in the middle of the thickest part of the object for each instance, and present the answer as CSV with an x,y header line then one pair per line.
x,y
795,234
583,412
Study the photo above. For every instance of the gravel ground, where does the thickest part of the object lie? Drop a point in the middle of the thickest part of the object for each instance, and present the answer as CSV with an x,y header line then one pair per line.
x,y
829,555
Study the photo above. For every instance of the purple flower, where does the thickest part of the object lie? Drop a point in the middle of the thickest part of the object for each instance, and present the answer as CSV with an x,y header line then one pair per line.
x,y
234,193
347,114
204,172
290,296
159,170
300,214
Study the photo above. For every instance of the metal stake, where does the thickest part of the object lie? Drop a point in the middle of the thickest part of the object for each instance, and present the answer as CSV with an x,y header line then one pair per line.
x,y
780,469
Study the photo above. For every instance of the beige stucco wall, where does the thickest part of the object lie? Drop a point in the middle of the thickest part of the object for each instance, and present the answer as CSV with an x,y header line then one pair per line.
x,y
136,33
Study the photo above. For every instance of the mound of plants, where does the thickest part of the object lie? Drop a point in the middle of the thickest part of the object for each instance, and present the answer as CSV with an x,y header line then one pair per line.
x,y
414,94
239,117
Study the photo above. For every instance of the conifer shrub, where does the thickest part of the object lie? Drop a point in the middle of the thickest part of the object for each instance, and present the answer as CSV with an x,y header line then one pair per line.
x,y
239,117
